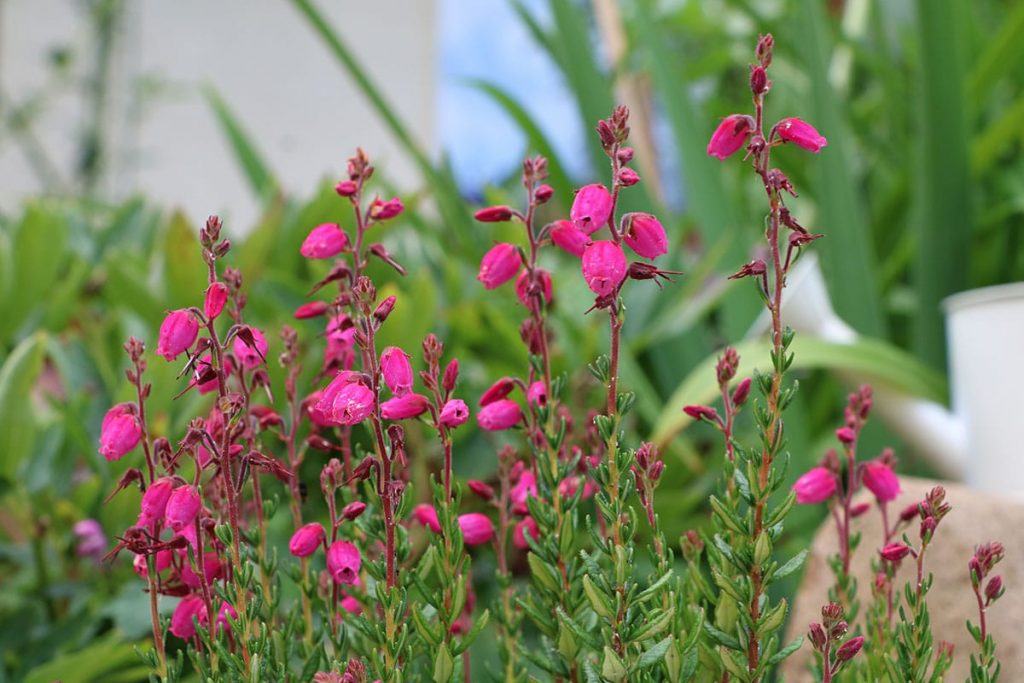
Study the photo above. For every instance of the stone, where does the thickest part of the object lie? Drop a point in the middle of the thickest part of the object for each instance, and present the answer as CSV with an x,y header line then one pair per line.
x,y
975,518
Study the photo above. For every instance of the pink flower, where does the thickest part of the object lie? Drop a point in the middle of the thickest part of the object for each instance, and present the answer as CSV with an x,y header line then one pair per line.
x,y
345,401
178,331
182,624
381,210
817,485
351,605
537,394
526,525
311,309
604,267
182,507
476,527
526,487
846,435
849,649
499,265
800,133
427,516
397,371
494,214
120,432
163,560
216,297
353,510
894,552
566,235
343,562
497,391
454,413
881,481
251,355
730,136
222,615
212,384
404,407
91,541
346,188
154,500
502,414
481,488
211,567
324,241
306,540
543,286
644,235
591,208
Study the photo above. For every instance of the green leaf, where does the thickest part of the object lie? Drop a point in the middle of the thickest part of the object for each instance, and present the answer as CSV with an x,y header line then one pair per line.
x,y
248,156
612,667
870,360
795,563
444,665
101,661
38,253
655,654
17,416
184,272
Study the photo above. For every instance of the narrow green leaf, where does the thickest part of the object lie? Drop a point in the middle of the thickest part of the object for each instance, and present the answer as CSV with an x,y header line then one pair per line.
x,y
18,376
654,654
250,160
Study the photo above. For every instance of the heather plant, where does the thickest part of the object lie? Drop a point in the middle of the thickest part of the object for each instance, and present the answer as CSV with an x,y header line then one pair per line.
x,y
382,587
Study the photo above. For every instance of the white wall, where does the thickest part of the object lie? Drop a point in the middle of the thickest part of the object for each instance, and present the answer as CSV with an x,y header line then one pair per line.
x,y
263,58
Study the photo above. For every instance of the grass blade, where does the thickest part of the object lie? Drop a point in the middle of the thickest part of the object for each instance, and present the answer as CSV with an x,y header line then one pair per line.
x,y
250,160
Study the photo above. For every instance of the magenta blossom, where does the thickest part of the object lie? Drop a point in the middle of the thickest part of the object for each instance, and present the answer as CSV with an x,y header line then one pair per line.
x,y
251,356
311,309
182,507
591,208
537,394
526,526
404,407
566,235
91,541
800,133
306,540
499,415
381,210
454,413
497,391
427,516
604,267
881,481
182,624
525,488
817,485
543,285
223,613
178,332
894,552
216,297
397,371
345,401
644,234
476,527
154,500
499,265
213,383
343,562
120,432
324,241
730,136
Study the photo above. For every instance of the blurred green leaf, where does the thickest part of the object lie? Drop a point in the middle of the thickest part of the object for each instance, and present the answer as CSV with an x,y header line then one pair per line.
x,y
107,659
18,377
184,271
248,156
38,254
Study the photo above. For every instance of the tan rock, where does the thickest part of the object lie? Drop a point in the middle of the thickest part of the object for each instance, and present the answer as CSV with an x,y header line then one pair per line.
x,y
976,518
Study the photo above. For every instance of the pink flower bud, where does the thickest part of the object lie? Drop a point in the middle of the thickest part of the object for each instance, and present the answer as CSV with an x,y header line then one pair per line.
x,y
499,390
604,267
482,489
502,414
740,393
311,309
250,355
346,188
306,540
325,241
382,211
120,432
816,485
846,435
343,562
894,552
397,371
178,332
994,589
542,284
216,297
154,500
427,516
816,633
543,193
454,413
628,177
182,507
644,235
859,509
566,235
494,214
182,624
701,413
451,375
526,525
800,133
537,394
384,309
730,136
404,407
476,527
345,401
881,481
591,208
849,649
353,510
499,265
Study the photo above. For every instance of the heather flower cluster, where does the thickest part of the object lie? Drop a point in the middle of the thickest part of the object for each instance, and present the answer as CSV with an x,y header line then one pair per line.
x,y
377,579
